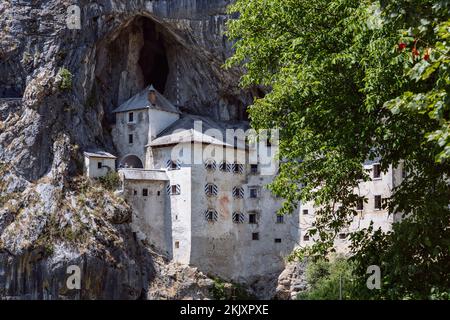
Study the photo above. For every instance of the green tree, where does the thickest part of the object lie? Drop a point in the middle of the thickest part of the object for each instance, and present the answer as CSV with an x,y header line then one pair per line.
x,y
347,81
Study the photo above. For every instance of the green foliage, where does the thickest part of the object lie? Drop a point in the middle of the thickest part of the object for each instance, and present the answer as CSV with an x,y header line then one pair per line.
x,y
352,80
110,181
328,280
66,79
222,290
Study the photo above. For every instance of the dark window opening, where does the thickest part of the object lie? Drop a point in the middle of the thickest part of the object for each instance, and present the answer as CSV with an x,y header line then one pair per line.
x,y
280,218
277,240
305,211
255,236
252,218
131,117
253,192
376,171
145,192
377,204
159,193
130,138
305,237
342,236
254,169
99,165
360,205
177,244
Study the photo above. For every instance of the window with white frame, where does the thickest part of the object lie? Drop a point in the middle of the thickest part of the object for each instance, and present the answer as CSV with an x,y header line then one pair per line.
x,y
173,164
211,215
225,166
238,192
173,189
210,165
238,217
238,168
211,190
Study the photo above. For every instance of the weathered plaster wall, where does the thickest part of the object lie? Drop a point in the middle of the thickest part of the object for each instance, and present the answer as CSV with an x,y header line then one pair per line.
x,y
91,166
380,217
139,129
160,120
151,218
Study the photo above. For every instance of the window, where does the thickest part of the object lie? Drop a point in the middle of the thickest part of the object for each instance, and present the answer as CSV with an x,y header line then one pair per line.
x,y
305,211
238,168
210,165
99,165
253,218
360,205
211,190
404,173
376,171
377,204
135,192
177,244
253,192
255,236
211,215
238,217
280,218
173,165
277,240
145,192
254,169
130,116
225,167
173,189
158,193
306,237
130,138
238,192
342,236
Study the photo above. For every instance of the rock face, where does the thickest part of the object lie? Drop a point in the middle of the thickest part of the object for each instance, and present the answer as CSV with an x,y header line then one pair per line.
x,y
292,281
58,87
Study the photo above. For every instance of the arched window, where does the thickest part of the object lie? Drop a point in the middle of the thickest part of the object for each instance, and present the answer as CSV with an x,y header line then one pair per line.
x,y
210,165
173,164
225,166
131,161
238,217
173,189
211,215
211,190
238,168
238,192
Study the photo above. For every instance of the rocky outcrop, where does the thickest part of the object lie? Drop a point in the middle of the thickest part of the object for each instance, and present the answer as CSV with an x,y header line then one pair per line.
x,y
292,281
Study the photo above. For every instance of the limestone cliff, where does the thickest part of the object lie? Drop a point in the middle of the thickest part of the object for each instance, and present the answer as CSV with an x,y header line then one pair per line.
x,y
57,89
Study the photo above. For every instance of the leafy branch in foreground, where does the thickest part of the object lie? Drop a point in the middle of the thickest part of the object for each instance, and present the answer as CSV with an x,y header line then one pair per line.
x,y
349,82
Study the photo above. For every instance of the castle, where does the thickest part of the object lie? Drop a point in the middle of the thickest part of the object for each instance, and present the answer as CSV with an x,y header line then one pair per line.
x,y
198,192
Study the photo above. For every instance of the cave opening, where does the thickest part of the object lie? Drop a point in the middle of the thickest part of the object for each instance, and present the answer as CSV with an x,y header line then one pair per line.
x,y
153,59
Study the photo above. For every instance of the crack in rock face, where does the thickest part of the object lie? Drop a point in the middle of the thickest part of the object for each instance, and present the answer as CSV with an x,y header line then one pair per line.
x,y
58,88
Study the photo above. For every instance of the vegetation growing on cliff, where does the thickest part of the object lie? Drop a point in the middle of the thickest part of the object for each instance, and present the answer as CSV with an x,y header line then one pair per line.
x,y
355,80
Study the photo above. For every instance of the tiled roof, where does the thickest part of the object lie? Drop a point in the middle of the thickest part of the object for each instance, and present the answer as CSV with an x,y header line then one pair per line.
x,y
186,130
99,154
140,101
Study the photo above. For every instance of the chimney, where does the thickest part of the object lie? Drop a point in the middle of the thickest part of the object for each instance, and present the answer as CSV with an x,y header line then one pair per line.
x,y
152,95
